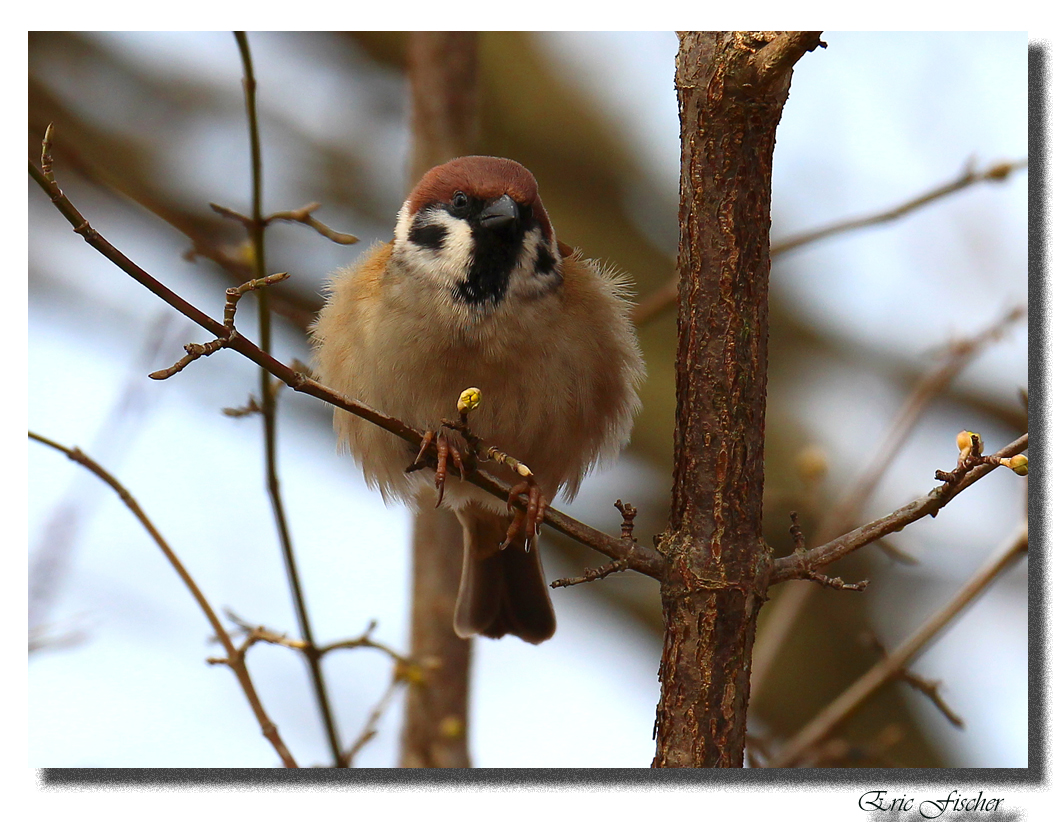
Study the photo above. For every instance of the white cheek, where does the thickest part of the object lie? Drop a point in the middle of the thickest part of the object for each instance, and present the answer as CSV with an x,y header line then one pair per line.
x,y
445,266
457,251
404,225
526,281
528,258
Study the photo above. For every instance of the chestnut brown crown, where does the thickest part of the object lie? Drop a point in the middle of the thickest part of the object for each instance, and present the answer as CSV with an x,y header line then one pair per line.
x,y
482,177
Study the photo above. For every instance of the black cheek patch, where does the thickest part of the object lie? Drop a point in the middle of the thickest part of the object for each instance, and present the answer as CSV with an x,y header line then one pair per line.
x,y
430,235
545,263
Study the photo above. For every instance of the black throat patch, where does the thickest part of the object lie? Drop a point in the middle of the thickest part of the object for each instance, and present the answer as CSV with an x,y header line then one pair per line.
x,y
496,253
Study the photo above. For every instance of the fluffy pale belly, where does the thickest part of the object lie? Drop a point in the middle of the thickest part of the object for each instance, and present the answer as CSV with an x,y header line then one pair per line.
x,y
525,412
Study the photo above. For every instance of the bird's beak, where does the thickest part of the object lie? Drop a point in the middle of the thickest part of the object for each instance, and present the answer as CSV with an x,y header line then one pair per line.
x,y
503,211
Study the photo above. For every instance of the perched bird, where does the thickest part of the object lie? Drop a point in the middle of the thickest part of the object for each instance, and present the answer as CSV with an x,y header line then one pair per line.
x,y
475,290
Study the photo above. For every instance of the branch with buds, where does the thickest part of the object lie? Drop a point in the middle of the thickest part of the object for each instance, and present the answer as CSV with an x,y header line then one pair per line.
x,y
639,557
970,469
643,559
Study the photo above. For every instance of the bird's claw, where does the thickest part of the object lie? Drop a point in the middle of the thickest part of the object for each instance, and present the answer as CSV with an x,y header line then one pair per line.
x,y
527,522
447,452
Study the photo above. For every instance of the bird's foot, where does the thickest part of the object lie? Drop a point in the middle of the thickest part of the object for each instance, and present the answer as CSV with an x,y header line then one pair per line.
x,y
448,451
525,524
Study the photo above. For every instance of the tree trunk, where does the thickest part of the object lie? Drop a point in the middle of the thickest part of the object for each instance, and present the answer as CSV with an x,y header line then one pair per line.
x,y
731,87
443,72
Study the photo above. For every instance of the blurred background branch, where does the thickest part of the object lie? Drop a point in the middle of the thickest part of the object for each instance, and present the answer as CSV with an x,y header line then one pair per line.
x,y
235,658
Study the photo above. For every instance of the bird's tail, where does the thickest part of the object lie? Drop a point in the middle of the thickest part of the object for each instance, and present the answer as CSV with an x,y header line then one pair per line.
x,y
501,591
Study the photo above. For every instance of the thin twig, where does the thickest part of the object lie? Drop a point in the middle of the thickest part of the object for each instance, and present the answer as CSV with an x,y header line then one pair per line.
x,y
798,564
259,633
628,519
195,350
825,723
836,752
658,301
959,355
370,726
250,408
234,658
591,575
404,669
789,603
304,215
997,172
256,230
815,576
929,688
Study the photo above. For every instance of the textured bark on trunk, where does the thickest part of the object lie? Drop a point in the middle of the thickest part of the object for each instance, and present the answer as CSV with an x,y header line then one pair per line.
x,y
444,85
731,87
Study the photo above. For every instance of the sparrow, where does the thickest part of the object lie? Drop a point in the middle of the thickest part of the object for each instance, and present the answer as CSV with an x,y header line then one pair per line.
x,y
475,290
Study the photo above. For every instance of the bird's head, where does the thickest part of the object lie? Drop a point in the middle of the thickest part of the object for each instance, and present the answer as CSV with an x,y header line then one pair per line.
x,y
476,227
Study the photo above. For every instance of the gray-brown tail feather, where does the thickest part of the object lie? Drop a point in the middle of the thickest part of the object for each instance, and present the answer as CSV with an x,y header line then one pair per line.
x,y
501,592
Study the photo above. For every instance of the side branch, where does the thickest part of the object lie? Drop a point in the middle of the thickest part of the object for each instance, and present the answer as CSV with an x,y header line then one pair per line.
x,y
995,173
641,558
802,564
234,658
893,665
778,57
658,301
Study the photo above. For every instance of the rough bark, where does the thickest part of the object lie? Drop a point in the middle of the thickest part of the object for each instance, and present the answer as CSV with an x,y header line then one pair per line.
x,y
731,87
443,75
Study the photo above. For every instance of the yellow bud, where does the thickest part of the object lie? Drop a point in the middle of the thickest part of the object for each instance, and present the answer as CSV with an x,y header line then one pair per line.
x,y
451,727
1019,463
469,400
811,463
408,672
523,470
965,443
244,253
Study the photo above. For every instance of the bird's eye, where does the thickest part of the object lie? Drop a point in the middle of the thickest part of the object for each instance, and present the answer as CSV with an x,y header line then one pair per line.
x,y
459,201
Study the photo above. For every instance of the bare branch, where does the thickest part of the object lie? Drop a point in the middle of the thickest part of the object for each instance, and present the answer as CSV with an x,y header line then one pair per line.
x,y
195,350
959,355
234,658
641,558
827,582
844,513
628,519
304,215
825,723
256,232
657,302
370,726
251,407
836,582
929,687
778,57
997,172
799,564
592,575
